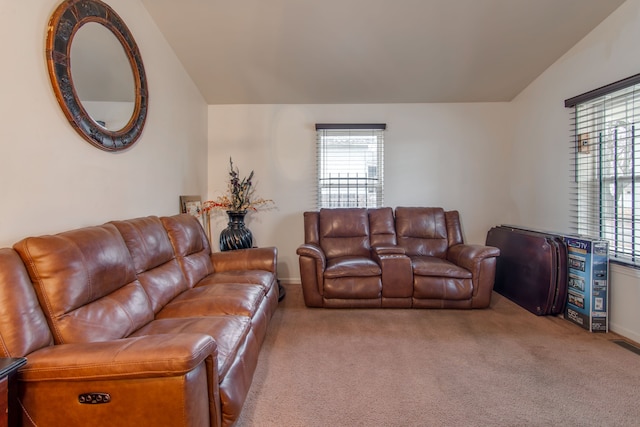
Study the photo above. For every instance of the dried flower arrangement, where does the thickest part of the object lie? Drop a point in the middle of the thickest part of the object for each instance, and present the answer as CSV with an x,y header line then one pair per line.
x,y
240,194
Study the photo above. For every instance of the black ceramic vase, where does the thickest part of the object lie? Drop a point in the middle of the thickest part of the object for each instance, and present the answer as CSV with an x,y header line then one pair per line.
x,y
236,235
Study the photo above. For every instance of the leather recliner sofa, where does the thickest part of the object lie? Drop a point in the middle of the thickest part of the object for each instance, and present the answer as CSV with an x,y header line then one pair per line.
x,y
413,257
134,323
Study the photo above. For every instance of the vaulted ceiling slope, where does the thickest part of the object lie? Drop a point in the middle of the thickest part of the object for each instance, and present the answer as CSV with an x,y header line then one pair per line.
x,y
371,51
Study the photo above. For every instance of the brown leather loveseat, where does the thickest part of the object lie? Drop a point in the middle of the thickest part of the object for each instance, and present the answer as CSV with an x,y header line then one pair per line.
x,y
134,323
413,257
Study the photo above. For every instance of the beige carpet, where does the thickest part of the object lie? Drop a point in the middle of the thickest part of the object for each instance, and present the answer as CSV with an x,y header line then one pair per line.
x,y
502,366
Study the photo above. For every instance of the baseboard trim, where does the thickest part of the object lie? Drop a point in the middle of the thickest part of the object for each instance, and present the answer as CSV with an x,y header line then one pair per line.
x,y
289,280
624,332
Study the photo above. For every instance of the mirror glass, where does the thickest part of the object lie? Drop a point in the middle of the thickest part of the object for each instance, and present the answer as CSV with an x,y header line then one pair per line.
x,y
102,76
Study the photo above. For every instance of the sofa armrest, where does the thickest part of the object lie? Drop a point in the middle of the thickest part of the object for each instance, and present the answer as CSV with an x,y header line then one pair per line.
x,y
480,260
148,356
246,259
397,272
165,379
312,251
468,256
312,265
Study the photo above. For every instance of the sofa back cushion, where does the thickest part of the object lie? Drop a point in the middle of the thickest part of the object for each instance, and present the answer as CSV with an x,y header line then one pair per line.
x,y
23,327
190,245
311,224
422,231
86,284
382,227
344,232
454,229
153,258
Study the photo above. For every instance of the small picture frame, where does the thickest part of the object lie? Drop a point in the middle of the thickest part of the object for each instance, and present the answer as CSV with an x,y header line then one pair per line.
x,y
583,143
191,205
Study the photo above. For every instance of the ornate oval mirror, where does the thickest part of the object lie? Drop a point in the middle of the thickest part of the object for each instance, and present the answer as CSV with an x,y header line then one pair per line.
x,y
97,108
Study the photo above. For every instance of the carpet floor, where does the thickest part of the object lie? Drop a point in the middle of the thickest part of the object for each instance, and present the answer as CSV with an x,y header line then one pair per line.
x,y
501,366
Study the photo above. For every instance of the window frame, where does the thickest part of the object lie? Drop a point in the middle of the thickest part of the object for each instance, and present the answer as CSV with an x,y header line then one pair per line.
x,y
605,206
366,188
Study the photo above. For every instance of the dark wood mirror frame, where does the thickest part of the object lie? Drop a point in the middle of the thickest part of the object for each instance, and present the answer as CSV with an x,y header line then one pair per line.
x,y
63,25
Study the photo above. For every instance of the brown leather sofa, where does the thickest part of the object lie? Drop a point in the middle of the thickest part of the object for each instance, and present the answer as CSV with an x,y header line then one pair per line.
x,y
413,257
134,323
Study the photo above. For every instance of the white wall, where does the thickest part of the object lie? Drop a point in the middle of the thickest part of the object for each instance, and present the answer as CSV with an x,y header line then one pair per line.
x,y
448,155
539,177
460,156
52,179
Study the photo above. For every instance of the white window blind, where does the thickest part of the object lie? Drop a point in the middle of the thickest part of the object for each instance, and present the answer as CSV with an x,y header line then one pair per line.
x,y
606,167
350,165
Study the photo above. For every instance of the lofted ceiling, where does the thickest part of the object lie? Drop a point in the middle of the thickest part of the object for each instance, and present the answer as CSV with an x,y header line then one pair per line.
x,y
371,51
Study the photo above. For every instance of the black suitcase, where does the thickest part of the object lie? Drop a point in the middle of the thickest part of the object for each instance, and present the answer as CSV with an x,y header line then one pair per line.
x,y
531,269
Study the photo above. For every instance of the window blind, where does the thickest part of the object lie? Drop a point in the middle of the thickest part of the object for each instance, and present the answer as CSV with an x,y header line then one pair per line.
x,y
605,167
350,165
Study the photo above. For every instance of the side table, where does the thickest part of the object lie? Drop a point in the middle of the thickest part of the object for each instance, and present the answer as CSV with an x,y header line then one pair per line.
x,y
9,414
281,291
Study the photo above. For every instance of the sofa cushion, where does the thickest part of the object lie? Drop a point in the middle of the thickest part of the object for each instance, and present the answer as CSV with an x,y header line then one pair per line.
x,y
86,283
382,227
352,277
23,327
217,299
190,245
442,288
264,279
433,266
422,231
229,333
351,267
156,266
344,232
353,288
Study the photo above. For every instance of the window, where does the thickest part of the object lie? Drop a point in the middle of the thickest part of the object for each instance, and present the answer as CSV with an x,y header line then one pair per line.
x,y
606,167
350,165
